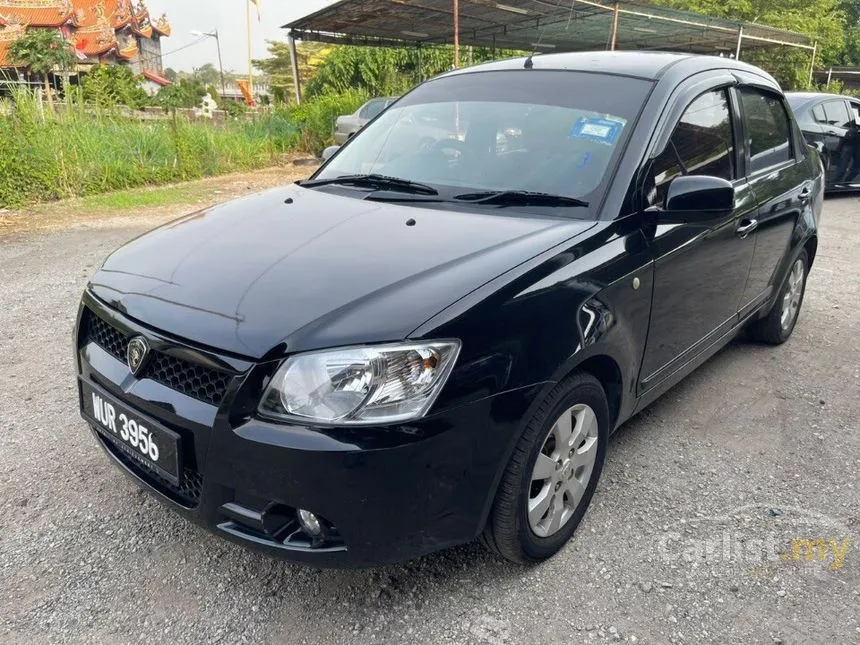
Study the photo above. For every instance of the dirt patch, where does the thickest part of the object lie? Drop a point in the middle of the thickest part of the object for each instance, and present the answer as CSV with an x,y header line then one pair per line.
x,y
181,199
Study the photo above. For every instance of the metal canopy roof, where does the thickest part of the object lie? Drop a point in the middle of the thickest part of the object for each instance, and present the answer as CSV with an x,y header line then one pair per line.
x,y
537,25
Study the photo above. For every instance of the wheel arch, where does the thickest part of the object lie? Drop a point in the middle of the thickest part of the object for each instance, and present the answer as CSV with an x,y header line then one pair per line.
x,y
607,371
811,247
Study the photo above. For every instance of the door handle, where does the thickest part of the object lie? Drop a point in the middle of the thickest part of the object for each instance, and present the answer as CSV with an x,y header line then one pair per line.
x,y
746,227
804,195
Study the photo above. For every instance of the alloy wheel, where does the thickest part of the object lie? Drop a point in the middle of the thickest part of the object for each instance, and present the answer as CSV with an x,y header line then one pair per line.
x,y
791,299
562,470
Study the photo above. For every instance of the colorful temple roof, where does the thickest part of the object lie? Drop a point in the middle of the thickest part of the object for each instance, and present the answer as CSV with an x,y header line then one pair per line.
x,y
94,27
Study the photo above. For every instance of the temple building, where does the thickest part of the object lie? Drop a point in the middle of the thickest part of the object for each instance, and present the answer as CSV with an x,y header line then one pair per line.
x,y
100,32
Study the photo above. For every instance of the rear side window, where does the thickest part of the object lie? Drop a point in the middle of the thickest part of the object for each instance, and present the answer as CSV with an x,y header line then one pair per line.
x,y
837,114
855,109
768,129
818,114
702,143
372,109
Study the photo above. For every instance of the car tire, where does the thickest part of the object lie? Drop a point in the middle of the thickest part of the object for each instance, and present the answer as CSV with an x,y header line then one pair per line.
x,y
512,531
777,326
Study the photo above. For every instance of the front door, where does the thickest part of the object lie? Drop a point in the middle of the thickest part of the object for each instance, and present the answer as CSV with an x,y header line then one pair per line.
x,y
700,268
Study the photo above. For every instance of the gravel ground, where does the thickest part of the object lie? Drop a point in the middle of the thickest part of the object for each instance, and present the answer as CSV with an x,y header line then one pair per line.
x,y
700,495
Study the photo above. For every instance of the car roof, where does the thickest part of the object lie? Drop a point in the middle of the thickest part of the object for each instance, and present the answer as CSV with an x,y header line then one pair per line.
x,y
646,65
808,97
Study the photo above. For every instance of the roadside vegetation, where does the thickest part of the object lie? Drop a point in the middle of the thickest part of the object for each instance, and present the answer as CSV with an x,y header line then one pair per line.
x,y
92,140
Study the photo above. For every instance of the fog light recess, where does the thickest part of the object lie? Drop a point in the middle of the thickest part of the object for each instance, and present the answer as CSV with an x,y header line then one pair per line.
x,y
310,523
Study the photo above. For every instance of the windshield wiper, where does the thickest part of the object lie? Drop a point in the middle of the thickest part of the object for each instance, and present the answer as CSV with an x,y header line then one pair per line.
x,y
520,198
378,182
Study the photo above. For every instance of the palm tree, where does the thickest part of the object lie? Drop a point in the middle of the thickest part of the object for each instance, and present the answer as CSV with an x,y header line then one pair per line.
x,y
41,51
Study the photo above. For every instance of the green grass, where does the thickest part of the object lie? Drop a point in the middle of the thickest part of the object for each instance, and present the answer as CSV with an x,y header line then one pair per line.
x,y
145,198
81,153
77,153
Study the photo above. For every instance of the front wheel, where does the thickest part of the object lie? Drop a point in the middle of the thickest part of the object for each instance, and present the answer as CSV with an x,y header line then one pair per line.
x,y
551,476
777,326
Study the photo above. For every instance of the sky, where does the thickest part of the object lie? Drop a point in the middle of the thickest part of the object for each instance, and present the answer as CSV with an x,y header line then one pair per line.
x,y
228,17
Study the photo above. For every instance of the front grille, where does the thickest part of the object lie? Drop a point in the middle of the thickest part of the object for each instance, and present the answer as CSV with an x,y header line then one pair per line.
x,y
202,383
199,382
108,338
190,483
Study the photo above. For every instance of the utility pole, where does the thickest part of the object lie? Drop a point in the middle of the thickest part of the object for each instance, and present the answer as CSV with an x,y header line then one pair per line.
x,y
221,66
250,51
456,33
217,37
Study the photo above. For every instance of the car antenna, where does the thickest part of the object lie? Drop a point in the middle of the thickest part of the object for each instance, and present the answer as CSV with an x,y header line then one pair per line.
x,y
529,64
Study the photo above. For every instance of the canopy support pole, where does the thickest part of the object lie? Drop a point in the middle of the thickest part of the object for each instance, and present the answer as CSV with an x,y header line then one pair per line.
x,y
740,40
615,12
812,62
420,65
294,63
456,34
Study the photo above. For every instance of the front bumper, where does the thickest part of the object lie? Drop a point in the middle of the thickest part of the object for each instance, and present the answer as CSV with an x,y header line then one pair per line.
x,y
391,493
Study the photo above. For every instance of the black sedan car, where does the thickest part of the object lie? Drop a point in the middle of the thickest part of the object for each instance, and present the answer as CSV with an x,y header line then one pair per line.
x,y
425,344
831,123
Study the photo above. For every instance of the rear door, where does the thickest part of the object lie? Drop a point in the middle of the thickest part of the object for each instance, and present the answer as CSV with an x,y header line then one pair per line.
x,y
838,121
849,163
779,177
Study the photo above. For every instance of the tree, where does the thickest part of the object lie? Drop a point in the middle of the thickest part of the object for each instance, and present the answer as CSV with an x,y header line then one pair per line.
x,y
42,51
822,20
207,75
184,94
279,71
171,74
851,55
108,86
386,71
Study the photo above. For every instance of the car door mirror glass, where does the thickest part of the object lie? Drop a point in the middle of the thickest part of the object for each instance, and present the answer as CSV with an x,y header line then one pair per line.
x,y
699,196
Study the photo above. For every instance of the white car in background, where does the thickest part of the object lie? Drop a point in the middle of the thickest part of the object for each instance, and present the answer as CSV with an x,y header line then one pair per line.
x,y
347,125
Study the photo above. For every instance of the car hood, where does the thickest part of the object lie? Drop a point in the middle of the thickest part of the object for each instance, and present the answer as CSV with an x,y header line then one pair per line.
x,y
325,270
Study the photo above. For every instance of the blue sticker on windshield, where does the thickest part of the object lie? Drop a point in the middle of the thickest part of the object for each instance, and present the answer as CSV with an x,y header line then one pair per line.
x,y
597,130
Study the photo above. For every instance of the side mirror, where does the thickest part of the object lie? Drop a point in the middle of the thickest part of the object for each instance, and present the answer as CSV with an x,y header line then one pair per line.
x,y
328,153
699,197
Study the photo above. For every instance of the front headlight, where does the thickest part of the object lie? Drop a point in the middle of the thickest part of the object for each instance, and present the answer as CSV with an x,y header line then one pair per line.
x,y
377,384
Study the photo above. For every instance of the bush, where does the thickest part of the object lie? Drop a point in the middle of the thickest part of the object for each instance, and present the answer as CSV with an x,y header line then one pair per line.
x,y
45,156
109,86
316,118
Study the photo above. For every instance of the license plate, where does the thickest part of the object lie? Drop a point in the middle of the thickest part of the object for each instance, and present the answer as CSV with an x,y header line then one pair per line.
x,y
152,444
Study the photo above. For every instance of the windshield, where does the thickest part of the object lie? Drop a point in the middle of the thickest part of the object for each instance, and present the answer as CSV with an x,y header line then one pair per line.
x,y
552,132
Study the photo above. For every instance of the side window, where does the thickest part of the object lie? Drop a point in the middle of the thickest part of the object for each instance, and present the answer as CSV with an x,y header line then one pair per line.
x,y
818,114
768,129
855,110
837,114
372,109
702,144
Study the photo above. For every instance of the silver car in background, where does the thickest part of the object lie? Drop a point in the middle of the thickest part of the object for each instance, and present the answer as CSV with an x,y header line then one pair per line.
x,y
347,125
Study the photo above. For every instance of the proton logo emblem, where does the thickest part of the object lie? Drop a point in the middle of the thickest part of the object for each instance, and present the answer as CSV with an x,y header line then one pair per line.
x,y
138,349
